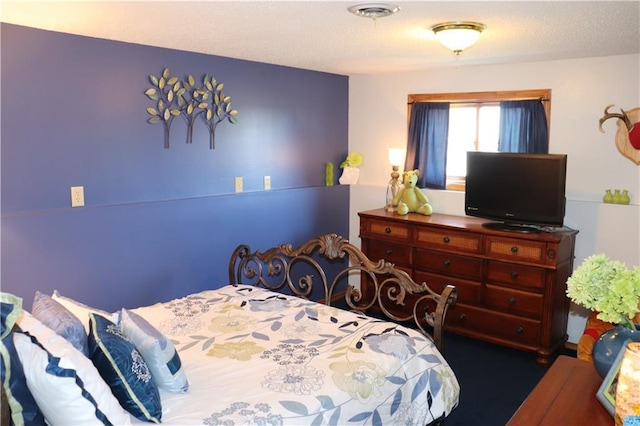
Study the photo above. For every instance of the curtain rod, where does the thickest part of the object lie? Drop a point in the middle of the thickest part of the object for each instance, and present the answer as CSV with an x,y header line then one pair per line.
x,y
481,102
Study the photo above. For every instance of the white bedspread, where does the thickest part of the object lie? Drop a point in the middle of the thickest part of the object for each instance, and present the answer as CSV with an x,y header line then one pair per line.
x,y
253,356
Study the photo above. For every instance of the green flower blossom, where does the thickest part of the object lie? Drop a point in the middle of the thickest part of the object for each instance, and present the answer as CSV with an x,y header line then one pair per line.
x,y
354,160
608,287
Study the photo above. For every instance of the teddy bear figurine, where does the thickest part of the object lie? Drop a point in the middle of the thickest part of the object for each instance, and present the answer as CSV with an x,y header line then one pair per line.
x,y
410,198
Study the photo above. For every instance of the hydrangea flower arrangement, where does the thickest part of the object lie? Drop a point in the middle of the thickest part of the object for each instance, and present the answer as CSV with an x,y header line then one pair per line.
x,y
353,160
607,287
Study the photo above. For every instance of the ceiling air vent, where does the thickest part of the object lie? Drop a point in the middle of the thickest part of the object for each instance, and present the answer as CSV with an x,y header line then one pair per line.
x,y
374,10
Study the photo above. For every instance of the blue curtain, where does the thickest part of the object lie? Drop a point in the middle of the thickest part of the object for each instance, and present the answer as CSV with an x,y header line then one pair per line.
x,y
427,143
523,127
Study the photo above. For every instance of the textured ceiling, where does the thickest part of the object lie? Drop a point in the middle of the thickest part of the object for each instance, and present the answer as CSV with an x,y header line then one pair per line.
x,y
324,36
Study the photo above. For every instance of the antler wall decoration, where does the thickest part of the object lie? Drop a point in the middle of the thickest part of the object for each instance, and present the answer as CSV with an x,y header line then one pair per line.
x,y
174,98
628,134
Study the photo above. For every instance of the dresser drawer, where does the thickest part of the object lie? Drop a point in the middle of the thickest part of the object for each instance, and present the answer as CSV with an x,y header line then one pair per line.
x,y
505,327
448,263
514,301
445,239
514,274
511,248
395,253
387,230
468,291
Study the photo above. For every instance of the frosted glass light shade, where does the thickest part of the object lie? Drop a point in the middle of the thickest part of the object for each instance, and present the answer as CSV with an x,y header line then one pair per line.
x,y
458,36
396,156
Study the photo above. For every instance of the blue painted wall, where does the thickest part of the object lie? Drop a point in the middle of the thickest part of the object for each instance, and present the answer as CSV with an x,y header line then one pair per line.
x,y
157,223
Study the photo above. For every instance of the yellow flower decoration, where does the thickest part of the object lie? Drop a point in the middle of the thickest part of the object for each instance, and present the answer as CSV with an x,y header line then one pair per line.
x,y
241,351
232,323
354,160
359,379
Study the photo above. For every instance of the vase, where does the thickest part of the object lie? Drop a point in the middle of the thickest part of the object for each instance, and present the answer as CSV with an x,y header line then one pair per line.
x,y
624,197
609,344
608,197
349,176
616,197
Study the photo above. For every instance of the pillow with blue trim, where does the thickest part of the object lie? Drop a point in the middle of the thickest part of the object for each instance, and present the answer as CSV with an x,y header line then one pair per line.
x,y
158,352
65,383
61,320
22,405
123,368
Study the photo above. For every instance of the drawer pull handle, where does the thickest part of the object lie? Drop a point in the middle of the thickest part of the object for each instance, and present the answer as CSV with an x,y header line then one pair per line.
x,y
446,263
520,330
387,230
512,300
514,275
462,317
446,240
389,251
514,249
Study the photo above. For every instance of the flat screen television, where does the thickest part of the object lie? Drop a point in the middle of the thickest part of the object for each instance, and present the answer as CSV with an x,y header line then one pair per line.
x,y
517,192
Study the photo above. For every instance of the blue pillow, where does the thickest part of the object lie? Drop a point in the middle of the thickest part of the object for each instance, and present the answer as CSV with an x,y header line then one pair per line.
x,y
123,369
24,409
158,352
61,320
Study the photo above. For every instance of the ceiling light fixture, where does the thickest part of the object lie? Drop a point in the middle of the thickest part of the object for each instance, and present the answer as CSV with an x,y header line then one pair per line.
x,y
458,36
373,10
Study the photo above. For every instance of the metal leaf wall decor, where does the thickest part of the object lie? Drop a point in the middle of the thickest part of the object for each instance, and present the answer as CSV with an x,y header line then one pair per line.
x,y
174,97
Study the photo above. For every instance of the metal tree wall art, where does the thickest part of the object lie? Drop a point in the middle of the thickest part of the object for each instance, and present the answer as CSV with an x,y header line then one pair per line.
x,y
174,98
164,93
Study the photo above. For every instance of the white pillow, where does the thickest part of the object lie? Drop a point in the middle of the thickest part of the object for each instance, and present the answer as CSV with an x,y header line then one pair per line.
x,y
81,310
65,384
158,352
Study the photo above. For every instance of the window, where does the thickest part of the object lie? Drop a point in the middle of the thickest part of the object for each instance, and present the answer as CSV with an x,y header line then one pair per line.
x,y
462,122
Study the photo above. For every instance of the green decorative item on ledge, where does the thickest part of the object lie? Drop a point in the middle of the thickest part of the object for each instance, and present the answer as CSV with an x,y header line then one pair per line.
x,y
174,98
328,174
617,197
624,197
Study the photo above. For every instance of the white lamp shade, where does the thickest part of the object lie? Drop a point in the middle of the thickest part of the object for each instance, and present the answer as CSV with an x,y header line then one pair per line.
x,y
396,156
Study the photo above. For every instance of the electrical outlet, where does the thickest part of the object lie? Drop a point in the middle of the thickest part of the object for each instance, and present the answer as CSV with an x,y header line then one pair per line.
x,y
267,183
77,196
238,184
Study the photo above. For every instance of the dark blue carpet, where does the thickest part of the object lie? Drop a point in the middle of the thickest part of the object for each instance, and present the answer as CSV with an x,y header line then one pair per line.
x,y
494,380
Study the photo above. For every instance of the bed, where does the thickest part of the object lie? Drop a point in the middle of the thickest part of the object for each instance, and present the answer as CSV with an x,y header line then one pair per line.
x,y
260,351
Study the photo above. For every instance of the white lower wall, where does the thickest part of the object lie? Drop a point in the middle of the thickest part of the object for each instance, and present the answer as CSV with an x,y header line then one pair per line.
x,y
581,89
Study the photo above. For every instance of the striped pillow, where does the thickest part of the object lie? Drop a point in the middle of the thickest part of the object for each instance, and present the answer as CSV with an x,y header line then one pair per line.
x,y
64,383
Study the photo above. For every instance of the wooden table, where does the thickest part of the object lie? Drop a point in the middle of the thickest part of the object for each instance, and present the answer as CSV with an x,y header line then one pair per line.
x,y
565,396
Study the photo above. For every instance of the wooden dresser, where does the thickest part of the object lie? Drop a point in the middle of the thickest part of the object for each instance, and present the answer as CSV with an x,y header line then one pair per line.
x,y
511,286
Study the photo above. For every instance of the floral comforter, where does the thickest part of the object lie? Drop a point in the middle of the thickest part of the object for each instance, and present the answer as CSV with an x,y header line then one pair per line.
x,y
253,356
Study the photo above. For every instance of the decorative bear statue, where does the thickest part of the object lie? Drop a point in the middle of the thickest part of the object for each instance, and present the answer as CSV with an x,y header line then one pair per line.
x,y
410,198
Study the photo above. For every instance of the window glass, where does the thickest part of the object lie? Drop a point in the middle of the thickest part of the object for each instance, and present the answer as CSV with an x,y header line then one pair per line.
x,y
463,124
489,128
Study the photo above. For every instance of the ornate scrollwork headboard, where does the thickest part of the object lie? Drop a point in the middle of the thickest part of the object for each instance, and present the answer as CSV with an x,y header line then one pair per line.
x,y
301,271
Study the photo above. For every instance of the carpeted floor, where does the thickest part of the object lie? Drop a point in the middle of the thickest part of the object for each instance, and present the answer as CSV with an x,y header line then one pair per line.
x,y
494,380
